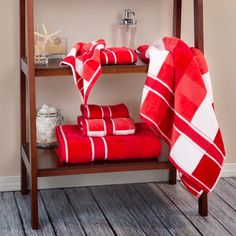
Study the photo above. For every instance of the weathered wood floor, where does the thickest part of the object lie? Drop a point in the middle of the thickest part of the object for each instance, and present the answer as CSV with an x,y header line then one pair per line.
x,y
133,209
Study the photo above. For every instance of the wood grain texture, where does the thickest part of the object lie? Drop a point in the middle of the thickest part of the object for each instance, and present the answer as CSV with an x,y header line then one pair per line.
x,y
61,214
9,219
223,212
23,204
116,212
231,181
88,212
166,211
227,192
187,204
143,214
137,209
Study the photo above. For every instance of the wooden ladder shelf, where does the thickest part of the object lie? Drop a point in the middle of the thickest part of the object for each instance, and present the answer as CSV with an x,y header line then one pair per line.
x,y
42,163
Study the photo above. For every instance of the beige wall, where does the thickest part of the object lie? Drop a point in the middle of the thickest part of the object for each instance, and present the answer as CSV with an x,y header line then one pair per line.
x,y
80,20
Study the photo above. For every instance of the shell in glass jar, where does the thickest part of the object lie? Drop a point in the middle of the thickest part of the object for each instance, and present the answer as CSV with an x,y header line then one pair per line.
x,y
46,120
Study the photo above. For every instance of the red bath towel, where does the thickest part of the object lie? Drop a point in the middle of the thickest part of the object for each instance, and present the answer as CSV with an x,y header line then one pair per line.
x,y
85,60
108,126
76,148
177,103
93,111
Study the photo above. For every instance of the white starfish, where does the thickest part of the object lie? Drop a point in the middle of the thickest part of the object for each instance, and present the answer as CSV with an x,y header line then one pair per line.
x,y
46,36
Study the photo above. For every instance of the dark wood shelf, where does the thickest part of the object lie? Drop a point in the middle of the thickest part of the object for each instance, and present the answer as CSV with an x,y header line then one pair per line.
x,y
49,165
53,68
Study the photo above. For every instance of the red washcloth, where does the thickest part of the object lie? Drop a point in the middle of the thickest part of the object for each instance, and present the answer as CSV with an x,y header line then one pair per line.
x,y
85,60
108,126
98,112
118,56
76,148
177,103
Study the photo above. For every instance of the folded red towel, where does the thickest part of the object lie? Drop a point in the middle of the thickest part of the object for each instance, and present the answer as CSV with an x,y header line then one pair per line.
x,y
108,126
118,55
98,112
76,148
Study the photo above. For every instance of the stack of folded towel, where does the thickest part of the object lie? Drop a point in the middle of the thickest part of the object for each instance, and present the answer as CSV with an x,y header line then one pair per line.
x,y
98,121
105,133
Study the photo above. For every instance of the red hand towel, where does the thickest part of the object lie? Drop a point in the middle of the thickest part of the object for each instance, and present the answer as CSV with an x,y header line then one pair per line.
x,y
108,126
118,56
177,103
76,148
84,61
92,111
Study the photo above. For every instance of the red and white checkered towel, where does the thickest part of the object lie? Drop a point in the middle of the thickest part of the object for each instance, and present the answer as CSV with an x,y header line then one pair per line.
x,y
177,103
85,60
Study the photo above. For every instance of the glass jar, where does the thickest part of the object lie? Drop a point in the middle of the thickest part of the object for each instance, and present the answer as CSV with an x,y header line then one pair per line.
x,y
46,121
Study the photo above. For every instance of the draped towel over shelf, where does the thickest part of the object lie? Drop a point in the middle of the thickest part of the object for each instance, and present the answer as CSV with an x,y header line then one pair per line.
x,y
177,103
85,60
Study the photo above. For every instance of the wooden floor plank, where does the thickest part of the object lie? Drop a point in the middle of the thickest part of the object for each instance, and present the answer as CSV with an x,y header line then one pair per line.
x,y
61,214
227,192
232,181
222,212
88,212
10,223
116,212
146,218
185,201
24,204
169,214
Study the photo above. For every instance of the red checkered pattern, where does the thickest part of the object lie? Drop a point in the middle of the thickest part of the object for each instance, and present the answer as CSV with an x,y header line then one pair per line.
x,y
85,60
177,103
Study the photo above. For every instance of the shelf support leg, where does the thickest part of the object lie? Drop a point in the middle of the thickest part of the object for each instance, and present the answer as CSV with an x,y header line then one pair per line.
x,y
32,115
23,96
177,18
198,25
172,176
34,203
203,204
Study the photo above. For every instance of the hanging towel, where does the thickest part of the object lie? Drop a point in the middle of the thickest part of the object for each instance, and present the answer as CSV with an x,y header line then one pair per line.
x,y
76,148
177,103
93,111
108,126
85,60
